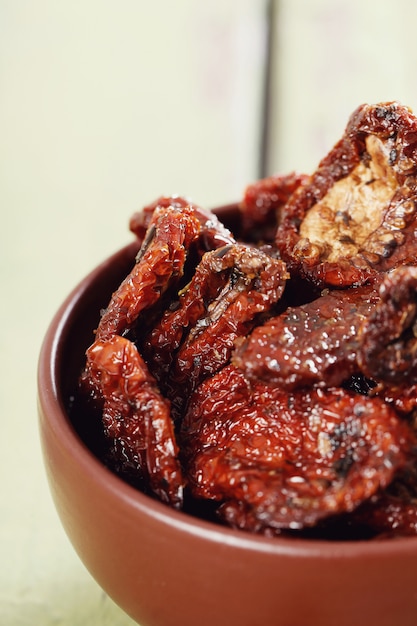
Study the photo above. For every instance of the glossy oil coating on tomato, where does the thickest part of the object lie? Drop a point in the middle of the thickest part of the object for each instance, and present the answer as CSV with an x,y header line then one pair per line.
x,y
285,460
313,344
388,337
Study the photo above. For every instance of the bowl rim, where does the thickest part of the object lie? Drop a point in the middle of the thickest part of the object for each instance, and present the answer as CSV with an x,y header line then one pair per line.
x,y
52,413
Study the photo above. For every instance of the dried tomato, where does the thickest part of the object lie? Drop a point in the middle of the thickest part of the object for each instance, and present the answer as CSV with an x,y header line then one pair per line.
x,y
357,213
388,336
160,261
312,344
136,418
276,459
262,204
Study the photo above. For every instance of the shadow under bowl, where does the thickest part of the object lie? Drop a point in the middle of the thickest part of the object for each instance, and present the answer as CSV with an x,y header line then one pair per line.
x,y
168,568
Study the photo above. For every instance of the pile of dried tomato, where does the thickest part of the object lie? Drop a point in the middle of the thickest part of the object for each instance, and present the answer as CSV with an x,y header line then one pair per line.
x,y
268,377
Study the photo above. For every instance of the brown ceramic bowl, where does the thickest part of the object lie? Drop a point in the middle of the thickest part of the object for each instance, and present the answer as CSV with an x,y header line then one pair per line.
x,y
167,568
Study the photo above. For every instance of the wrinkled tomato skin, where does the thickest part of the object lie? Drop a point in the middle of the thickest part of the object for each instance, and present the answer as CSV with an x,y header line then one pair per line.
x,y
391,240
312,344
277,460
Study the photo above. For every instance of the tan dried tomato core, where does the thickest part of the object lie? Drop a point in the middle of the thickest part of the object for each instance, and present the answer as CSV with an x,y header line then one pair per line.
x,y
340,224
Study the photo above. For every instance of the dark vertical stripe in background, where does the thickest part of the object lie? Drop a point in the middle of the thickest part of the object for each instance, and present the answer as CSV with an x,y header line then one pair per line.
x,y
265,122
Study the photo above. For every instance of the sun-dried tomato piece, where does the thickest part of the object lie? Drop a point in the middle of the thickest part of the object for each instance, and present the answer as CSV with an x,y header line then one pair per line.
x,y
136,418
213,232
403,396
231,287
388,336
159,264
262,203
357,214
276,460
393,511
140,220
312,344
160,261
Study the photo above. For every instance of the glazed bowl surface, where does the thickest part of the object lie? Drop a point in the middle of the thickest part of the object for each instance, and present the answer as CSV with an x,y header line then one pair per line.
x,y
168,568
